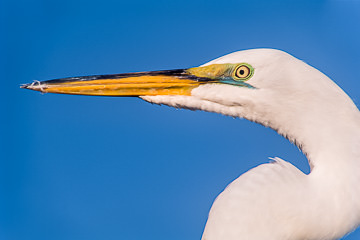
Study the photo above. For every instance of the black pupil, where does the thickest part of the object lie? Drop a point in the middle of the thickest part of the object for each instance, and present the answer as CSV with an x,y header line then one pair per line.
x,y
242,72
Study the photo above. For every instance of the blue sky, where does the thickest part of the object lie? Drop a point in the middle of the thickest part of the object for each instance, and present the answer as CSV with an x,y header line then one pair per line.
x,y
77,167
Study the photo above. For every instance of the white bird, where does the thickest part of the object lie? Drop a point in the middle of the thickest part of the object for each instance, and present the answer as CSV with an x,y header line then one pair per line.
x,y
273,201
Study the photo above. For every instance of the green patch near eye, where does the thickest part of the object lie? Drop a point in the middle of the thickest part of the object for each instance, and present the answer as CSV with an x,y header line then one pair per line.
x,y
213,71
242,71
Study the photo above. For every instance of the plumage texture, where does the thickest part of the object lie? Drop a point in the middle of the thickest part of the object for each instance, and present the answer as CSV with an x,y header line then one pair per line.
x,y
276,201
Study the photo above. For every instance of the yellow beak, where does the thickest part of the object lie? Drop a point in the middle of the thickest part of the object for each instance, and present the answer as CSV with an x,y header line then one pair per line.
x,y
169,82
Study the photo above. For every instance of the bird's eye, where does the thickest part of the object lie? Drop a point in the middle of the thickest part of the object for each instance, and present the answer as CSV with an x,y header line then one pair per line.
x,y
243,72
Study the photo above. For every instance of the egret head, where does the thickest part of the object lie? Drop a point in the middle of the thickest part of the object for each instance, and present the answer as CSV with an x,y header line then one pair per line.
x,y
217,81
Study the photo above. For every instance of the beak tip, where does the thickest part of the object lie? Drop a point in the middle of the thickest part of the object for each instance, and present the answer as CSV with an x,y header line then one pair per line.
x,y
35,85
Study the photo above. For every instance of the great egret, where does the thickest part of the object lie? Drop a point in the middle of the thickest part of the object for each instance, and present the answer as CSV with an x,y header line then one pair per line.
x,y
273,201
